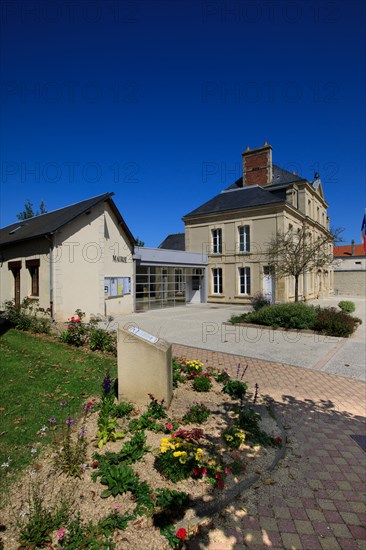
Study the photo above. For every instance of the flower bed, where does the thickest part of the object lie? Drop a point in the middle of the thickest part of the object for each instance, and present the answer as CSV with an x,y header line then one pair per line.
x,y
136,475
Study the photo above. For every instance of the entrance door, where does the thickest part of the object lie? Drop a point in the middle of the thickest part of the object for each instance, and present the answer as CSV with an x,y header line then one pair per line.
x,y
268,284
196,289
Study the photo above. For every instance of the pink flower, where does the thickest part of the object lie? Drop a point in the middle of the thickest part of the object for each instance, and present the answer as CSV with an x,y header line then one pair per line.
x,y
227,470
169,426
116,506
279,439
61,533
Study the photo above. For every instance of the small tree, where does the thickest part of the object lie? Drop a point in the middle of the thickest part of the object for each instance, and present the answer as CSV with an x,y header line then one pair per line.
x,y
139,242
296,252
28,211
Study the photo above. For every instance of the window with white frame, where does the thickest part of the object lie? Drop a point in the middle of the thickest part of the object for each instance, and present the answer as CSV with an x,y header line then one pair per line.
x,y
244,238
217,241
217,280
244,280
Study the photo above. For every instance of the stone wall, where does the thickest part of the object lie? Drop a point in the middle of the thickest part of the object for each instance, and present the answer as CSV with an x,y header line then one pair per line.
x,y
352,282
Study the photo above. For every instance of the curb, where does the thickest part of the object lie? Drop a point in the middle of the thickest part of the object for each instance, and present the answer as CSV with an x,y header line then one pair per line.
x,y
223,500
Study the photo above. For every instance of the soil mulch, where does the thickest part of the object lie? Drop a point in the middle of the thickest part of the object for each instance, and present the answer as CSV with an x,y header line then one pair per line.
x,y
84,494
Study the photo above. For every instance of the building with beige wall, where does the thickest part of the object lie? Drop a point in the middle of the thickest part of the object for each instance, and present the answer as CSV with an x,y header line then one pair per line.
x,y
80,256
350,269
235,227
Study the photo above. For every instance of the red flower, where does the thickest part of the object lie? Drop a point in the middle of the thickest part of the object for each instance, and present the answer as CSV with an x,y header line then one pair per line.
x,y
169,426
95,464
220,484
279,439
227,470
218,475
204,471
181,534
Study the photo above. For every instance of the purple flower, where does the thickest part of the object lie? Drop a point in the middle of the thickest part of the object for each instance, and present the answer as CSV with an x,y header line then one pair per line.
x,y
82,432
70,421
52,420
63,403
88,406
107,384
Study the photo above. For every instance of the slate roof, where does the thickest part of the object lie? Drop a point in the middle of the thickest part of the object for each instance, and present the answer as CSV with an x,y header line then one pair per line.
x,y
49,223
279,177
234,199
174,241
237,197
345,251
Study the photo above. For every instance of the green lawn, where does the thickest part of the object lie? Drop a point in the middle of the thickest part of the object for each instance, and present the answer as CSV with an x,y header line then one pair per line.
x,y
36,374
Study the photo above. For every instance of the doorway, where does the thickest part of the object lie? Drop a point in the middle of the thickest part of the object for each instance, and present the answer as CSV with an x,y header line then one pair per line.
x,y
268,284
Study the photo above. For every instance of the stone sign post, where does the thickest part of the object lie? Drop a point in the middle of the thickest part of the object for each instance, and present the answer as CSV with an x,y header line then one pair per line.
x,y
144,366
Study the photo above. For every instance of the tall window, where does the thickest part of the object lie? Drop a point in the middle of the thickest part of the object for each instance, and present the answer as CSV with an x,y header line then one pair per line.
x,y
244,280
217,280
33,268
244,238
217,241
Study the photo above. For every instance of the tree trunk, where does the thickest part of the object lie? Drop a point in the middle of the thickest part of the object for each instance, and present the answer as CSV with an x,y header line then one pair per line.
x,y
296,288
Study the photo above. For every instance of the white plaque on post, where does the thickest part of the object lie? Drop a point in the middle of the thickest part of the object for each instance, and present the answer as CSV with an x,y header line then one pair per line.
x,y
144,366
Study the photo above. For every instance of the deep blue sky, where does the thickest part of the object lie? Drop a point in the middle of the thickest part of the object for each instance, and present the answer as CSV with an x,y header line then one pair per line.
x,y
156,100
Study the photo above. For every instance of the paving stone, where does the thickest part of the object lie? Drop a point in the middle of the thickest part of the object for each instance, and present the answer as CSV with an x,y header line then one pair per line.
x,y
324,509
358,531
283,513
271,538
340,530
291,541
253,539
326,504
310,542
304,527
350,518
286,526
330,543
316,515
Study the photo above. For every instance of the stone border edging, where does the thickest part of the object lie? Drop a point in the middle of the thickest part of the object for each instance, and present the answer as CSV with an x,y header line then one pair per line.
x,y
223,500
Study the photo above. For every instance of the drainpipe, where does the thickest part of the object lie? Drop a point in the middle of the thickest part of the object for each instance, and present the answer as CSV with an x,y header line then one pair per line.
x,y
51,246
353,247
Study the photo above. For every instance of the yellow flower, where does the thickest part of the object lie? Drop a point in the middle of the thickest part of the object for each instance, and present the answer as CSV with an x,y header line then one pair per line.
x,y
177,453
228,437
199,454
183,458
166,445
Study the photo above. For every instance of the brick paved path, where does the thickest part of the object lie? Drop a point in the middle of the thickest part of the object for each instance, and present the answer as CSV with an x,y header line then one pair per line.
x,y
317,500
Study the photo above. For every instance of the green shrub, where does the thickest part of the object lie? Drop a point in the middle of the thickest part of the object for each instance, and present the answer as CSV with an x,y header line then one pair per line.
x,y
235,388
347,306
238,318
28,316
202,383
100,339
258,301
178,376
334,322
196,413
290,316
124,408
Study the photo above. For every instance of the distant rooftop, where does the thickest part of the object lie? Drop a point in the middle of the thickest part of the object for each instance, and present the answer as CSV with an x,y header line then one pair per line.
x,y
174,241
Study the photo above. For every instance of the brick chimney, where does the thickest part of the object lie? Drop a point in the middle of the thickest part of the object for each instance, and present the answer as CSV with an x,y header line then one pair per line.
x,y
257,165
